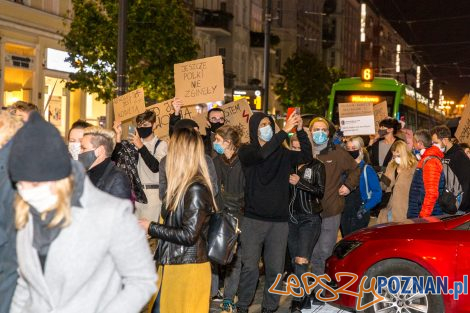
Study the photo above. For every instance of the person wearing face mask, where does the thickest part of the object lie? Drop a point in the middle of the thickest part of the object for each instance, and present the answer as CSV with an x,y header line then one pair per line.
x,y
379,151
215,120
145,151
9,125
400,173
231,197
342,177
455,158
75,137
267,166
96,149
79,249
428,179
358,203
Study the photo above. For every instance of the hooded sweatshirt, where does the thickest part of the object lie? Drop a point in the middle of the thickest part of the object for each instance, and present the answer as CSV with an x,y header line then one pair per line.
x,y
267,169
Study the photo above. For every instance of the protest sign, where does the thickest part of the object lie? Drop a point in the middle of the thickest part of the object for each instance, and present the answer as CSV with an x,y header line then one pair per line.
x,y
463,130
238,114
357,118
380,113
200,81
129,105
164,109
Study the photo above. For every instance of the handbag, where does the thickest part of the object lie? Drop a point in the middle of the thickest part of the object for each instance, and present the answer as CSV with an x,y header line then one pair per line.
x,y
222,237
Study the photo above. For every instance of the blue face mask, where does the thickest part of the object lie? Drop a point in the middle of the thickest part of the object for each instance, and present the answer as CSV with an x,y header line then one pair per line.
x,y
218,148
266,133
320,137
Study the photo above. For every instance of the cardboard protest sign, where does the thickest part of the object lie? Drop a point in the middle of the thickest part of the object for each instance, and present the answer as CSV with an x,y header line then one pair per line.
x,y
380,113
238,114
129,105
463,131
357,118
200,81
164,109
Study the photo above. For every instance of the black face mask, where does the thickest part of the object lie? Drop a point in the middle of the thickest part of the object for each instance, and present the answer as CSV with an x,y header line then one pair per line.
x,y
87,159
354,154
215,126
144,132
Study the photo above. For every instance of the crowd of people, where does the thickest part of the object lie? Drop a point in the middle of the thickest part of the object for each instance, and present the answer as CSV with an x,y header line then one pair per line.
x,y
78,220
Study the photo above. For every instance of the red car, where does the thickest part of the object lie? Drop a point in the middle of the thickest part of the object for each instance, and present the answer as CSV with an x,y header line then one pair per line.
x,y
434,246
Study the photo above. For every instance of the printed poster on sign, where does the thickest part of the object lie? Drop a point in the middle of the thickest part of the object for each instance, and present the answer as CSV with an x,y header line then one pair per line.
x,y
129,105
463,130
164,109
200,81
238,114
357,118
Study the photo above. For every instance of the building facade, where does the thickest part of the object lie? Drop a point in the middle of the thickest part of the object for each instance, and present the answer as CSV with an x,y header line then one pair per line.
x,y
32,62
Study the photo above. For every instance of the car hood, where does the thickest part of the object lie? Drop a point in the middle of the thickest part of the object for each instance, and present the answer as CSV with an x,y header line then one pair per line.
x,y
395,229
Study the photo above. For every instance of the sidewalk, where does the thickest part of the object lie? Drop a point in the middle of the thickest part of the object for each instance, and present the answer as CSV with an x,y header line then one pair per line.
x,y
283,305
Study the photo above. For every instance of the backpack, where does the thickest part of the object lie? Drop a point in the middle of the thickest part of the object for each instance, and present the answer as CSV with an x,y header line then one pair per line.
x,y
451,195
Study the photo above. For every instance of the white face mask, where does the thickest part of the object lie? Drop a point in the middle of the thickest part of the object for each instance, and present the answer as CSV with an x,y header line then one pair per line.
x,y
397,160
41,197
440,148
74,149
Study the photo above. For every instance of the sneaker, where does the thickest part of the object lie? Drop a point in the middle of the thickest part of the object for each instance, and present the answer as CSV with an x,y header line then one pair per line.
x,y
228,306
218,297
296,306
241,309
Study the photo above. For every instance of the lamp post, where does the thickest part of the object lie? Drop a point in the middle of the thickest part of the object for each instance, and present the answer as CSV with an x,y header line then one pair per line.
x,y
267,48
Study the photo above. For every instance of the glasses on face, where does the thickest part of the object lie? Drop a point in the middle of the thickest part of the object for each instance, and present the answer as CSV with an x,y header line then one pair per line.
x,y
217,120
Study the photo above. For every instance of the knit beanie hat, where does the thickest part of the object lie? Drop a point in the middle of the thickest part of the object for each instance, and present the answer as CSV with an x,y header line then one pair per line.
x,y
38,152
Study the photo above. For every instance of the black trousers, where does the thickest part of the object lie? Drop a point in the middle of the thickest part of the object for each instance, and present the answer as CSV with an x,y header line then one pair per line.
x,y
255,236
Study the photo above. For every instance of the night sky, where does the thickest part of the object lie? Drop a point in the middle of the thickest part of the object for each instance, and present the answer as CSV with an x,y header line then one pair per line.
x,y
439,32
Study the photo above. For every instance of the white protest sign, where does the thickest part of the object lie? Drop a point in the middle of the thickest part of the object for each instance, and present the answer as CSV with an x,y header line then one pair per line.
x,y
357,118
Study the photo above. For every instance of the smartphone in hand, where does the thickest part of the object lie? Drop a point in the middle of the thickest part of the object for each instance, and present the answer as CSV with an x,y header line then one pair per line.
x,y
130,130
291,111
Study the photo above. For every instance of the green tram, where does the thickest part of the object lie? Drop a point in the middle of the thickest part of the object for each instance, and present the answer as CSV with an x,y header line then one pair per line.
x,y
403,102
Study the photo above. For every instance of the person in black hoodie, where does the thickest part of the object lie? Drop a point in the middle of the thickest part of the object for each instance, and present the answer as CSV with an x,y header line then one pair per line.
x,y
267,166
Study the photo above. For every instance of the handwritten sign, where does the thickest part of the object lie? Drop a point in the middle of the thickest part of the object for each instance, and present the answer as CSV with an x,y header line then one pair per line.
x,y
200,81
463,130
238,114
129,105
356,118
380,113
164,109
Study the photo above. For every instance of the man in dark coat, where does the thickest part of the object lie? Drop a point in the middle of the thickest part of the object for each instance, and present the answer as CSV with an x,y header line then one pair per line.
x,y
8,262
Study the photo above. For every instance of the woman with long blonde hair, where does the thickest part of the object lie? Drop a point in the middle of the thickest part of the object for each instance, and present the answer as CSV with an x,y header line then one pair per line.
x,y
400,174
79,249
188,205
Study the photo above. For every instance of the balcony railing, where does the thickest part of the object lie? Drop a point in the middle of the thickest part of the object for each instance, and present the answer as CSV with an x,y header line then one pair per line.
x,y
213,19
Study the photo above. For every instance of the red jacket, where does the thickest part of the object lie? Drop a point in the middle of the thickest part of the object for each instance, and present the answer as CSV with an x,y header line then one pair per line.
x,y
431,176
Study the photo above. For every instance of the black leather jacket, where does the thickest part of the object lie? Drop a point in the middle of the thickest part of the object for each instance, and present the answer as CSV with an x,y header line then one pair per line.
x,y
183,237
111,179
306,195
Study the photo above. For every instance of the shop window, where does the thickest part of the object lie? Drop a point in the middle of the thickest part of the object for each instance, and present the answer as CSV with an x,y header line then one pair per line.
x,y
18,74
